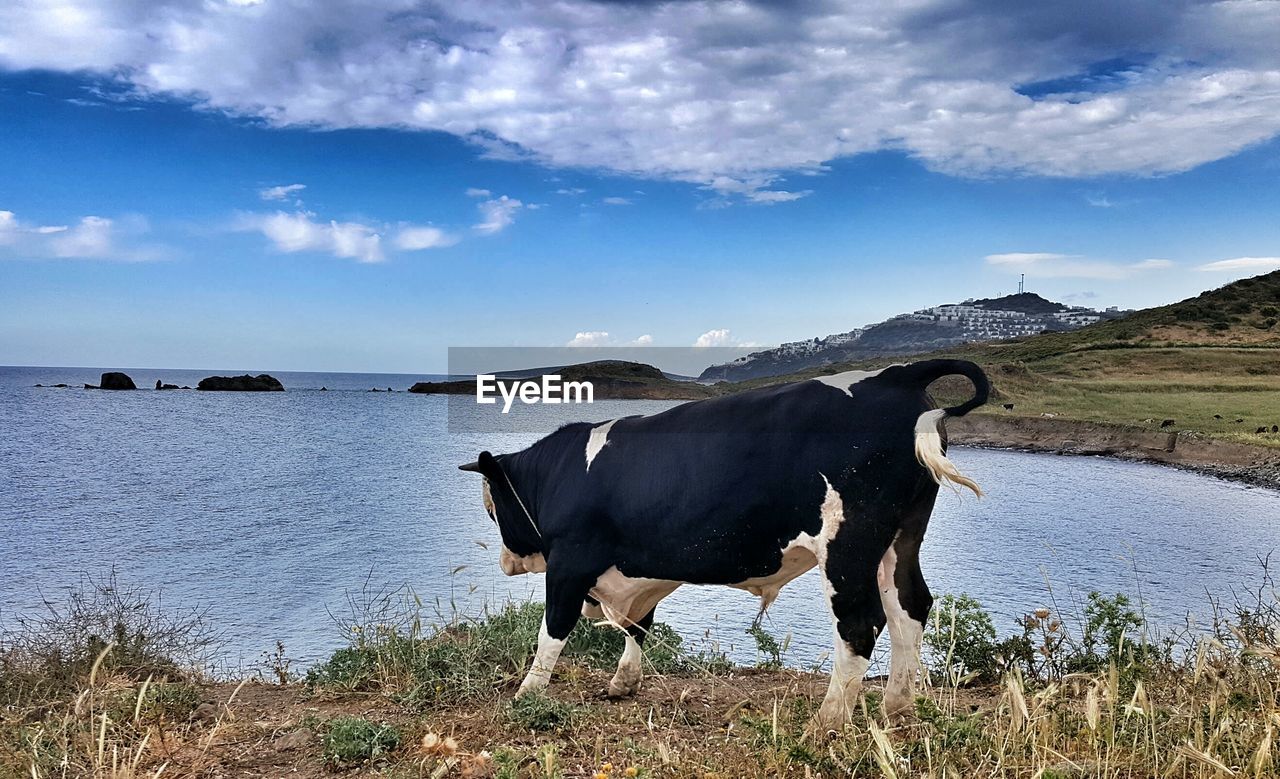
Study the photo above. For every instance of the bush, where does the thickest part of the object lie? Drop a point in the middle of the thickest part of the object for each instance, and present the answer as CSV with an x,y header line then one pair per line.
x,y
539,712
962,640
391,652
351,740
50,655
1108,634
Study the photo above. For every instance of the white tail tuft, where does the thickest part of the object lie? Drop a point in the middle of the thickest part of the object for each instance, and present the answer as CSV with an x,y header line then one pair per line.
x,y
929,452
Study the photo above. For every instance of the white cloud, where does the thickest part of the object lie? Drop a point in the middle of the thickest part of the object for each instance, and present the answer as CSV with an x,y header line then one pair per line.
x,y
281,192
413,238
720,337
8,228
602,338
1063,266
497,214
1259,264
477,192
615,201
590,338
297,232
90,238
729,96
570,191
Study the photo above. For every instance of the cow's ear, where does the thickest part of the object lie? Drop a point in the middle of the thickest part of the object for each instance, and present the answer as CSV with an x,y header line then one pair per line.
x,y
488,465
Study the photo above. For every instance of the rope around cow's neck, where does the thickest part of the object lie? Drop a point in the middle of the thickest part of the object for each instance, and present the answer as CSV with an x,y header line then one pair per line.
x,y
527,515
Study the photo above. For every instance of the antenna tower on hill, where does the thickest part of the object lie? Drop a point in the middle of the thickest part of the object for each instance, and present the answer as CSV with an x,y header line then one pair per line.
x,y
1022,278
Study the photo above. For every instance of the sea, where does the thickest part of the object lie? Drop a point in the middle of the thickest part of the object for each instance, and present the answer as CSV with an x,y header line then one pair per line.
x,y
272,512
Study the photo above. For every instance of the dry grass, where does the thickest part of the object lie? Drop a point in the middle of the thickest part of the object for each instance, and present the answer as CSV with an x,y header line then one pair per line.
x,y
1092,699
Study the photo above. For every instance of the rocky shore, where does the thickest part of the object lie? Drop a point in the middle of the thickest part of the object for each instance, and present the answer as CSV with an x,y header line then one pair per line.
x,y
1247,463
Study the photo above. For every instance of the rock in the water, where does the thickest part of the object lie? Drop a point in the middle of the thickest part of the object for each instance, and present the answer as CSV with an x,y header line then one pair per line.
x,y
246,383
159,385
115,380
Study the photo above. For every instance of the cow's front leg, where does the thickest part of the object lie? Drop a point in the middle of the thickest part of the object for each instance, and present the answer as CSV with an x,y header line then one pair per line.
x,y
626,681
566,590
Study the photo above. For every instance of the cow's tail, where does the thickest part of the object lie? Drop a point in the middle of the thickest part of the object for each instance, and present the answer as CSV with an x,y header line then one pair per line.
x,y
928,439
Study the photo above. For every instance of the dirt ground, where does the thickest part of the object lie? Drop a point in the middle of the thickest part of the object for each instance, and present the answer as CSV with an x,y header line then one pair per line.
x,y
674,726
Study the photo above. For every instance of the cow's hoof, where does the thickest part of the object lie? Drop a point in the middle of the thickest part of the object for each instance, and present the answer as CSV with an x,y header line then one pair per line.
x,y
821,728
899,710
623,688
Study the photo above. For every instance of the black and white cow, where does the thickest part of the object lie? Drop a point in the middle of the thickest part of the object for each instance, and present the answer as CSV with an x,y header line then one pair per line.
x,y
748,490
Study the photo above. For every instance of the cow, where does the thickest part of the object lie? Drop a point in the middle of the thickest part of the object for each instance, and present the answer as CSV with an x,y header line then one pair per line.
x,y
748,490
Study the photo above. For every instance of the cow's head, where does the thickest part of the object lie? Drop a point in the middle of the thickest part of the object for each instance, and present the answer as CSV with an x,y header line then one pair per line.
x,y
521,545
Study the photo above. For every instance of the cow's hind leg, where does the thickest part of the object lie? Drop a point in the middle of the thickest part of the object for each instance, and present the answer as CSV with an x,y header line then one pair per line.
x,y
906,600
626,681
567,587
849,572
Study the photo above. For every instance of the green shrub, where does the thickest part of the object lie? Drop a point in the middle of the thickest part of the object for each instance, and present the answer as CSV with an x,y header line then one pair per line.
x,y
540,712
767,647
962,640
1108,634
352,740
390,652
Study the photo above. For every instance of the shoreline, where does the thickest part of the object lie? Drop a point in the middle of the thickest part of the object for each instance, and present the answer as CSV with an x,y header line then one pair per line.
x,y
1257,466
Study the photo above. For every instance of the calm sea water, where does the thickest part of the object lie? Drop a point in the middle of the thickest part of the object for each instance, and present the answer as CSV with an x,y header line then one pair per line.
x,y
269,507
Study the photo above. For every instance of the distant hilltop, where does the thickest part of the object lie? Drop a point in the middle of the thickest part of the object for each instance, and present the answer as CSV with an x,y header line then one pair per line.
x,y
938,327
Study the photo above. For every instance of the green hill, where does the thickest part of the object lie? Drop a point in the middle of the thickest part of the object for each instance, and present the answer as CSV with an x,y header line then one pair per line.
x,y
1204,362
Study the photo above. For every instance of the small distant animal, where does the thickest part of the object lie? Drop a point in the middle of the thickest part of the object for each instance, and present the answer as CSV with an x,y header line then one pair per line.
x,y
1148,421
1239,420
1047,415
1217,416
1007,406
1167,423
1262,429
1275,428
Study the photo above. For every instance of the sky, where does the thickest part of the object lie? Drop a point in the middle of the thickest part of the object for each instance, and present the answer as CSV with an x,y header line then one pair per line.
x,y
357,186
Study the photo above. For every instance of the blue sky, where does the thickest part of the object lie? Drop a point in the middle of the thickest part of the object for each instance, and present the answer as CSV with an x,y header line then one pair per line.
x,y
344,202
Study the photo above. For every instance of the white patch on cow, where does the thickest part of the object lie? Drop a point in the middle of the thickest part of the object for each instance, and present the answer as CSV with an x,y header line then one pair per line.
x,y
845,686
592,610
625,600
842,381
929,452
486,494
544,661
797,558
627,678
513,564
596,441
905,636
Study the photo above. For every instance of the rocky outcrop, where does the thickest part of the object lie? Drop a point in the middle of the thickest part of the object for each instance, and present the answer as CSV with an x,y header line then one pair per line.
x,y
245,383
1248,463
115,380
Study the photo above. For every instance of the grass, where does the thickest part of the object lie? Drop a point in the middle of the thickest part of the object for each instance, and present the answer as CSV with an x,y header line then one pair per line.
x,y
350,741
1097,694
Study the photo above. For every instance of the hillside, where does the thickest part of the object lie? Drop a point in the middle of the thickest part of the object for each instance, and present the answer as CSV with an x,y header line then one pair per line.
x,y
925,330
1209,363
611,380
